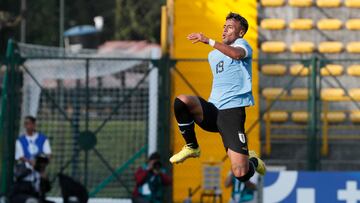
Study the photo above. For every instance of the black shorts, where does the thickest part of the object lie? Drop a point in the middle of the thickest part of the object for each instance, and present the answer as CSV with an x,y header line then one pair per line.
x,y
230,123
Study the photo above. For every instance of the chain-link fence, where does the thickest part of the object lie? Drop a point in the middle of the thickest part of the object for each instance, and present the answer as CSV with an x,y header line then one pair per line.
x,y
97,111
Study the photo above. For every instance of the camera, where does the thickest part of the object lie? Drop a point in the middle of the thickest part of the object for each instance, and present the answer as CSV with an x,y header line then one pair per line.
x,y
157,165
41,162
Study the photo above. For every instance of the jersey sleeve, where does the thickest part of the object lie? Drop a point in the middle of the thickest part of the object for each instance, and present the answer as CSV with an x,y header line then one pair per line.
x,y
245,45
47,148
18,150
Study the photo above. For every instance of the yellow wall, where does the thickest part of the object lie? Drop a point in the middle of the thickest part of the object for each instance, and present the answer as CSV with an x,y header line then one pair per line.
x,y
207,16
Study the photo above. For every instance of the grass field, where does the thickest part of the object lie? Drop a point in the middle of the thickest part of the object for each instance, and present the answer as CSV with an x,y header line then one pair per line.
x,y
117,142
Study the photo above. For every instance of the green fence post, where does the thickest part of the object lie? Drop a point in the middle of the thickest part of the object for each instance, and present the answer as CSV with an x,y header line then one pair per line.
x,y
10,114
5,180
87,107
3,174
314,116
164,66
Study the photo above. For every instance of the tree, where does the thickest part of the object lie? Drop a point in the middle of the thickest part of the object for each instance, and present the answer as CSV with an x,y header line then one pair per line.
x,y
42,22
9,13
123,19
138,20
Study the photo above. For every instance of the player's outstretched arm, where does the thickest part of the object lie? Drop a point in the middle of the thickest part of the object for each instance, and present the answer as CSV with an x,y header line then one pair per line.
x,y
233,52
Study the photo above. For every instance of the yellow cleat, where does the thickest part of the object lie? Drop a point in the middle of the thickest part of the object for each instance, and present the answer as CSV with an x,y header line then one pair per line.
x,y
261,168
185,153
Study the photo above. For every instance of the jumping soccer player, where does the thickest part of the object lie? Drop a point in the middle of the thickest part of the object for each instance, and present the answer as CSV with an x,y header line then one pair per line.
x,y
225,111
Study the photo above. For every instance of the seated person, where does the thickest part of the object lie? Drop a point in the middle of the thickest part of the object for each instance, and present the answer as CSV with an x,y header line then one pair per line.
x,y
32,143
32,154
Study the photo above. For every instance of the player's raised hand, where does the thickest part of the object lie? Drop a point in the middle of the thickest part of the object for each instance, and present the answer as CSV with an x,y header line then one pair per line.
x,y
198,37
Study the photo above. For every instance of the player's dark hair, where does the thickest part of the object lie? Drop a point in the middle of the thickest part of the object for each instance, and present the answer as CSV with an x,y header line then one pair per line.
x,y
243,22
31,118
154,156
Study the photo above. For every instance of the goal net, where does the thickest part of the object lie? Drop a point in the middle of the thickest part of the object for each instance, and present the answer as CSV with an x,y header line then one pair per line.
x,y
109,93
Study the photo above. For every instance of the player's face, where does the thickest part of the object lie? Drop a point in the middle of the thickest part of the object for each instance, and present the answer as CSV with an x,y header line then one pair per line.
x,y
29,125
231,31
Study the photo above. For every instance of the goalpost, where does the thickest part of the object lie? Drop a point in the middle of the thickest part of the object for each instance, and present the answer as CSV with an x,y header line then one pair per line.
x,y
113,95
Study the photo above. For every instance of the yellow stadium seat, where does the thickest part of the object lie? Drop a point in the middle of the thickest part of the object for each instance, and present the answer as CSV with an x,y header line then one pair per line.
x,y
334,117
295,70
354,70
272,3
330,47
332,94
353,24
353,47
328,3
300,117
329,24
352,3
301,24
276,116
300,3
355,116
354,93
302,47
332,70
273,24
273,92
273,69
300,93
273,47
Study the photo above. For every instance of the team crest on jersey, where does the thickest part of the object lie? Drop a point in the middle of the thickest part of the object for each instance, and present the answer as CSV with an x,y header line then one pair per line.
x,y
33,149
242,137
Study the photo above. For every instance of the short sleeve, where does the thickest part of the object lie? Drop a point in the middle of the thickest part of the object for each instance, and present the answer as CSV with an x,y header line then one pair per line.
x,y
18,150
46,147
243,44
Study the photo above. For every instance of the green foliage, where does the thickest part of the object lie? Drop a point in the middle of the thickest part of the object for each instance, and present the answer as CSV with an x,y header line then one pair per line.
x,y
42,22
124,19
138,20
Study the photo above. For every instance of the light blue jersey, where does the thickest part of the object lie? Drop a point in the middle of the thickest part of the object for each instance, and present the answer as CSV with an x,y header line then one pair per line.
x,y
232,79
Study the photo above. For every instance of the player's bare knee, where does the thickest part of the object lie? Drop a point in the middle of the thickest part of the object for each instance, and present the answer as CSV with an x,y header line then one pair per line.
x,y
242,172
189,101
239,170
242,175
179,104
184,98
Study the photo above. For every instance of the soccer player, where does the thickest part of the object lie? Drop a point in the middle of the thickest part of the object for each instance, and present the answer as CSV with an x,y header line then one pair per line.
x,y
225,111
